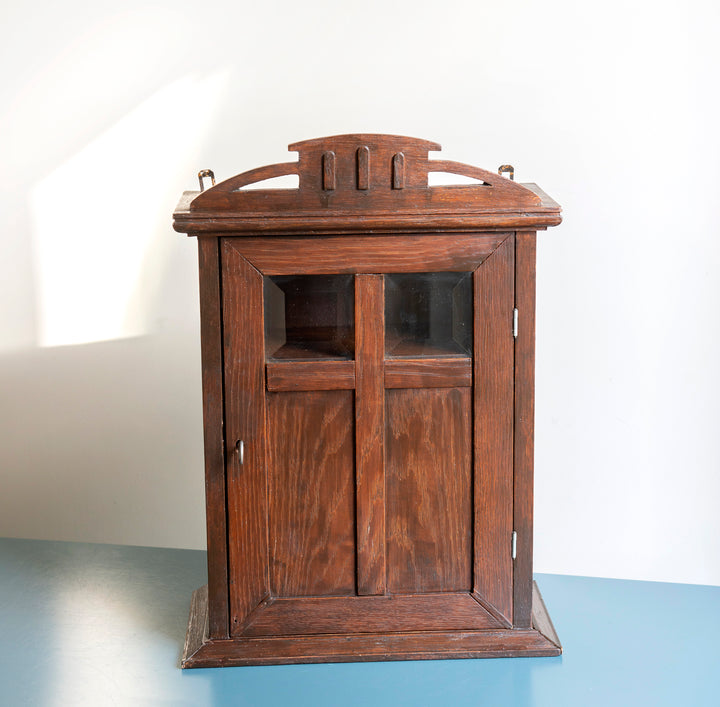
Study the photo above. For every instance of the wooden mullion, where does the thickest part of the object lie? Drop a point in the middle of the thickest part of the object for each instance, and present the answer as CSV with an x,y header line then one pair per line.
x,y
369,433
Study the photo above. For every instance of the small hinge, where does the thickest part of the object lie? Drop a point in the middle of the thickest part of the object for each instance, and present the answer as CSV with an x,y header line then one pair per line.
x,y
515,322
514,544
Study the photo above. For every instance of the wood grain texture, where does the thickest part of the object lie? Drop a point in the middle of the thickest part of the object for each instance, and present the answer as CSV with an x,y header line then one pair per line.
x,y
363,167
245,420
394,485
310,375
541,620
328,167
398,171
213,412
336,254
450,167
428,465
524,425
417,645
408,158
258,174
428,373
197,629
502,620
369,429
311,508
370,614
493,486
336,222
431,645
498,203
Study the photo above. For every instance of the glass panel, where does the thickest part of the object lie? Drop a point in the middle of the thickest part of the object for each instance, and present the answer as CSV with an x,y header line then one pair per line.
x,y
428,314
309,316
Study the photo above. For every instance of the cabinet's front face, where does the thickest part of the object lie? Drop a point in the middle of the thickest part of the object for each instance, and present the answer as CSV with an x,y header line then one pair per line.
x,y
369,423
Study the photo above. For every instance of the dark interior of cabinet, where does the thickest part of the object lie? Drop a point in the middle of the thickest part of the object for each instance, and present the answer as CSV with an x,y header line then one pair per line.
x,y
428,314
309,317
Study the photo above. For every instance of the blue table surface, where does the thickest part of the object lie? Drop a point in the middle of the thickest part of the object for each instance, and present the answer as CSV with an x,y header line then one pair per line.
x,y
98,625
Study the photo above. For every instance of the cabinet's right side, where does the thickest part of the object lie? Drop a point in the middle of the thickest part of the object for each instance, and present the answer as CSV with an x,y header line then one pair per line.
x,y
524,419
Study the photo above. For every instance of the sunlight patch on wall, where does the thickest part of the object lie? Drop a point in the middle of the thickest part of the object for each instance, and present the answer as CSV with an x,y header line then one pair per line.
x,y
96,216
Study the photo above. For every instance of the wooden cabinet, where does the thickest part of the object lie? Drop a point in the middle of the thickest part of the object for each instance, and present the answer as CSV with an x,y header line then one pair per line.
x,y
368,356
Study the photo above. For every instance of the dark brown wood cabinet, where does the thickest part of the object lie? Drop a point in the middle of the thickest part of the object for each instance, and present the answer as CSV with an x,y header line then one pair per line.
x,y
368,373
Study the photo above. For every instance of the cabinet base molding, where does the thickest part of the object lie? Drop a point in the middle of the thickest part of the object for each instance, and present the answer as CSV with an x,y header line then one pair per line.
x,y
203,652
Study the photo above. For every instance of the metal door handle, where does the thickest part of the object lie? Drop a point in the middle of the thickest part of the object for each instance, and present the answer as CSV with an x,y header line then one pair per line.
x,y
240,449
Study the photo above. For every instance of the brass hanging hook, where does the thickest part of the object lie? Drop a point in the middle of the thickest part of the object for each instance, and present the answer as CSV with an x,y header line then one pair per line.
x,y
509,169
205,173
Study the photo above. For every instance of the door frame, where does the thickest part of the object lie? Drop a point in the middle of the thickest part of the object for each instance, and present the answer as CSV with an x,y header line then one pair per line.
x,y
246,260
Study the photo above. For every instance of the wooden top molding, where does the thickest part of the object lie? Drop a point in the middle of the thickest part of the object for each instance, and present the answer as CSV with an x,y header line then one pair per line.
x,y
364,183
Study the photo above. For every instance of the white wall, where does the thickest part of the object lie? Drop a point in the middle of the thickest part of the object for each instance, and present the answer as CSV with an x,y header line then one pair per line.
x,y
108,110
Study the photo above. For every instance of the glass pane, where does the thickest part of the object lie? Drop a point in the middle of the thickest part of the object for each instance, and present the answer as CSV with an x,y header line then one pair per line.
x,y
309,316
428,314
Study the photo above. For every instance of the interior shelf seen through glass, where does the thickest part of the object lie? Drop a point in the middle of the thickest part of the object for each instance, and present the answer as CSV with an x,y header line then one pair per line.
x,y
428,314
309,317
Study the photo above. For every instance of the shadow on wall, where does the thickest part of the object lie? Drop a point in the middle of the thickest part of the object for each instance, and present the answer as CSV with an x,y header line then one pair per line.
x,y
102,431
102,442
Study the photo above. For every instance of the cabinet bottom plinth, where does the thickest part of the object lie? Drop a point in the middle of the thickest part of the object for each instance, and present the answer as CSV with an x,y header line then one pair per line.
x,y
203,652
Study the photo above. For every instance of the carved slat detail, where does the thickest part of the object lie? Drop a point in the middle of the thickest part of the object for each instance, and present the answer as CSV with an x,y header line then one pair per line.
x,y
328,164
363,167
398,171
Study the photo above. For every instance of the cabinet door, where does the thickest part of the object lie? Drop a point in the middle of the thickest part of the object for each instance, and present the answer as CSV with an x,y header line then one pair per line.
x,y
368,407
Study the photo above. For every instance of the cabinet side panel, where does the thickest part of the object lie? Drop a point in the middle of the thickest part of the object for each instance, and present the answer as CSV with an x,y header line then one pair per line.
x,y
493,387
311,493
212,377
524,425
428,474
245,422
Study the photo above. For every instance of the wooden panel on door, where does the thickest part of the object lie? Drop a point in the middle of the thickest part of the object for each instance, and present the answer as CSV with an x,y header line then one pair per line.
x,y
311,493
428,477
382,614
244,434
